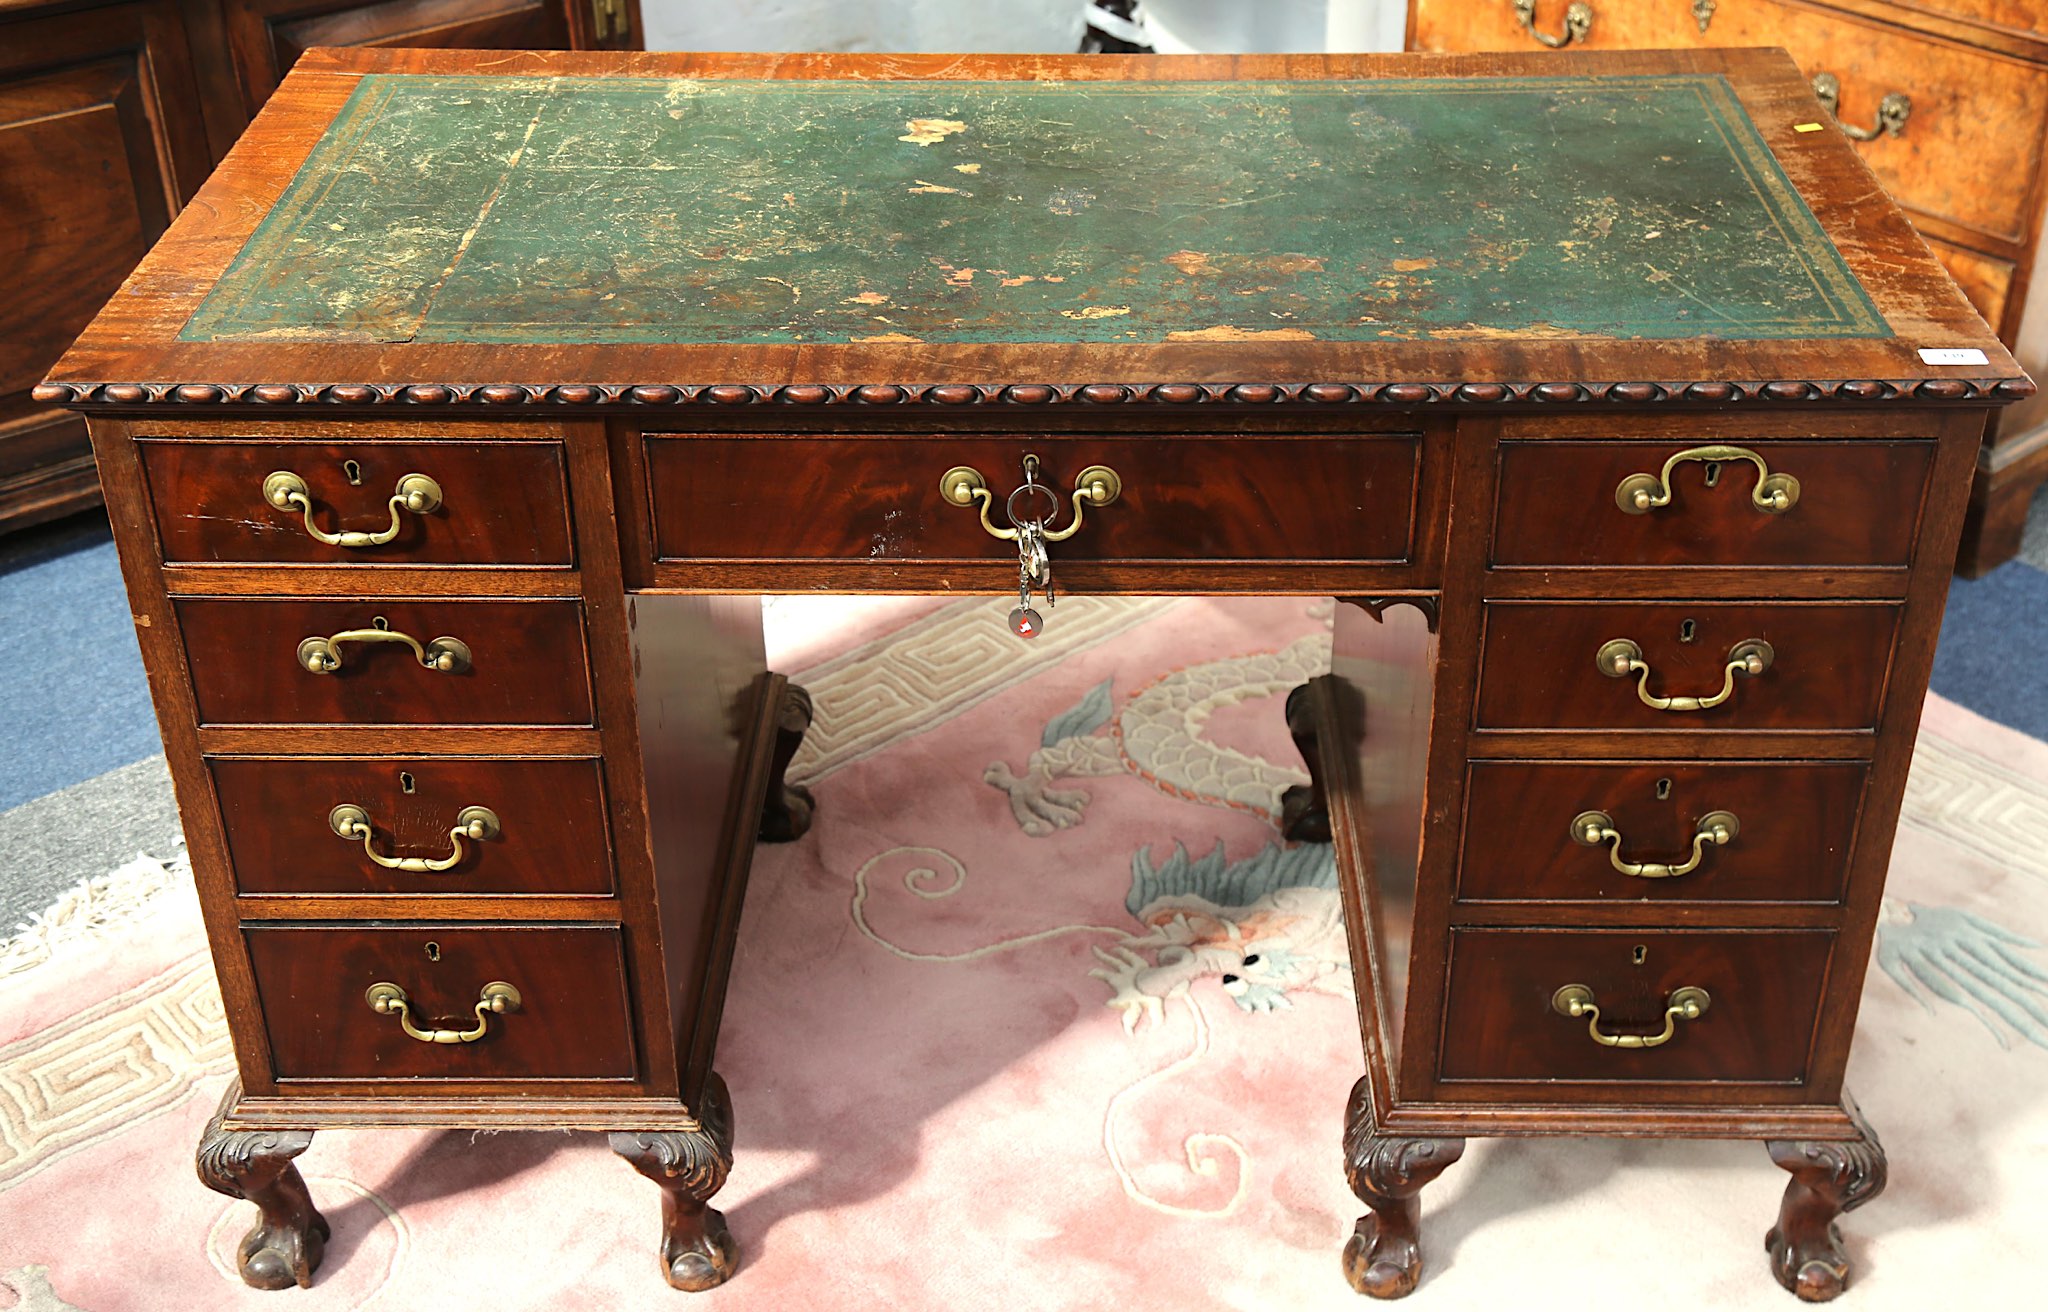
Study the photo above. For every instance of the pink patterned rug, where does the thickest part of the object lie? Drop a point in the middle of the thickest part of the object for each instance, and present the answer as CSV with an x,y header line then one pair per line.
x,y
1041,1016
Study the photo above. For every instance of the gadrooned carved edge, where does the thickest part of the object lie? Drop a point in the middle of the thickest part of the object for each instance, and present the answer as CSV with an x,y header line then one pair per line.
x,y
1404,395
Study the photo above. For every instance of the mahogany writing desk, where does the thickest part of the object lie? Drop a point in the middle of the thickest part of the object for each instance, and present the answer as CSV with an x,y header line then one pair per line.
x,y
450,432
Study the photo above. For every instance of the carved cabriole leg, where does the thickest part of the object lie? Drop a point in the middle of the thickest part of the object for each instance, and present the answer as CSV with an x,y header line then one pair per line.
x,y
1384,1255
1829,1177
786,816
289,1238
690,1165
1304,811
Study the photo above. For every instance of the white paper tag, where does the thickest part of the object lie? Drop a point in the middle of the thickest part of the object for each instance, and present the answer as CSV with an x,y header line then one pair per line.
x,y
1952,355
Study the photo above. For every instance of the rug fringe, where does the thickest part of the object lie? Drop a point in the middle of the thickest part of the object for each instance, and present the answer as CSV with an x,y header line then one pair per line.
x,y
120,897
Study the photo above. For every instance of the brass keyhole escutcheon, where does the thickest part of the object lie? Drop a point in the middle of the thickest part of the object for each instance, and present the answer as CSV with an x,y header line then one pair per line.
x,y
353,472
406,783
1687,631
1663,790
1641,954
433,951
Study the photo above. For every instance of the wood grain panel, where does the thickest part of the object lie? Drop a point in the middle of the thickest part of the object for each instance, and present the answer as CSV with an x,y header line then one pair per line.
x,y
503,503
1797,824
572,1021
1764,987
1184,498
1459,25
1985,279
553,837
1538,669
1859,504
528,662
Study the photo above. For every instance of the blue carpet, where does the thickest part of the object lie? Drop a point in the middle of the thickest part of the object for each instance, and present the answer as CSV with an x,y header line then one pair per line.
x,y
72,695
1993,656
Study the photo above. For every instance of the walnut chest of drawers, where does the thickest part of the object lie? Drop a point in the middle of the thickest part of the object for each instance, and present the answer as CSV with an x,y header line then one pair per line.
x,y
448,445
1947,101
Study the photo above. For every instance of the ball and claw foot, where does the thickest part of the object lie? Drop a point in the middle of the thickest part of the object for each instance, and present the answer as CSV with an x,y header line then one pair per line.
x,y
289,1238
1828,1179
1304,808
786,816
690,1165
1383,1258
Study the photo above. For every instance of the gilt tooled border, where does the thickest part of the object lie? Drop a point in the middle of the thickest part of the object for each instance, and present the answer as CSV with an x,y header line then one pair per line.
x,y
1031,394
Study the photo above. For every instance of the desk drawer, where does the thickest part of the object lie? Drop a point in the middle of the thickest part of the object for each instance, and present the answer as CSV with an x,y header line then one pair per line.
x,y
571,1020
1789,839
1541,666
496,503
1763,998
1183,498
525,662
1856,503
545,831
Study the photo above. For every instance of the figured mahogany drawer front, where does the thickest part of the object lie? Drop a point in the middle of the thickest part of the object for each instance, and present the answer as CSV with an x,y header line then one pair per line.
x,y
1182,498
518,662
493,503
434,825
1752,831
1503,1019
569,1020
1554,665
1856,503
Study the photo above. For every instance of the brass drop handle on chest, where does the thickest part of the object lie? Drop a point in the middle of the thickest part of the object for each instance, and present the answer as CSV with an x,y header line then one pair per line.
x,y
476,824
1576,1001
1592,828
1578,20
497,997
1892,111
1774,494
444,655
1620,657
416,493
1098,485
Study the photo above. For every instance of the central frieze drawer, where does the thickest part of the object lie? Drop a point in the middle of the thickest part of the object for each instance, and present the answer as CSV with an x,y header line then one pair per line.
x,y
569,1021
1824,665
1182,498
434,825
1843,503
410,661
1503,1021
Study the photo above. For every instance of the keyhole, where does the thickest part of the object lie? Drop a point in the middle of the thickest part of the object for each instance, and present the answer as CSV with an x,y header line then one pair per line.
x,y
434,951
1641,954
1713,472
1663,789
405,782
353,472
1687,630
379,622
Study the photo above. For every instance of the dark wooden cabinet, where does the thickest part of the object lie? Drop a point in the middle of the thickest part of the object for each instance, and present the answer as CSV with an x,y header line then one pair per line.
x,y
112,114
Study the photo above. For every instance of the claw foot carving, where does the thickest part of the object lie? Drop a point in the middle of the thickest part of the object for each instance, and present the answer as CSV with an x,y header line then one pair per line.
x,y
289,1238
690,1164
787,815
1829,1177
1383,1258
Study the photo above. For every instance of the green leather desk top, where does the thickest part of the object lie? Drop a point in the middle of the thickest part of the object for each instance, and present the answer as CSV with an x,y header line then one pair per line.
x,y
472,209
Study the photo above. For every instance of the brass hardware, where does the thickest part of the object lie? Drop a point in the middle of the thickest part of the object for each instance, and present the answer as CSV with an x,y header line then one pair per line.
x,y
387,999
1592,828
1703,13
1892,111
416,493
1098,485
476,823
1774,494
1620,657
323,655
608,18
1576,1000
1578,20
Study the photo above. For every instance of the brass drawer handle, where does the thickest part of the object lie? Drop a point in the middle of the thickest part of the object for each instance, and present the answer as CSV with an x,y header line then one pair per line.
x,y
1620,657
323,655
1592,828
1098,485
477,824
387,999
1892,111
1576,1000
1578,20
1774,494
416,493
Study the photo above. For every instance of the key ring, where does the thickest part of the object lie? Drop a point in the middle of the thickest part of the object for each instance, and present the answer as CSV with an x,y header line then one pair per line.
x,y
1029,485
